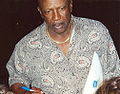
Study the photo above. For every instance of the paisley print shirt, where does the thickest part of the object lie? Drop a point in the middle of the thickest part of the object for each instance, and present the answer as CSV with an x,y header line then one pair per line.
x,y
37,61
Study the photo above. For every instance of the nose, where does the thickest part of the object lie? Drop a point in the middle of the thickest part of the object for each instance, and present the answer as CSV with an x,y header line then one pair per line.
x,y
57,15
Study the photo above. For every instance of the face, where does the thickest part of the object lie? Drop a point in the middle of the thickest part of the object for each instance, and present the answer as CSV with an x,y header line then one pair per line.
x,y
56,13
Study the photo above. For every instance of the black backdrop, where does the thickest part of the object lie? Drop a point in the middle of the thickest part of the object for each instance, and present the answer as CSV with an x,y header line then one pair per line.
x,y
19,17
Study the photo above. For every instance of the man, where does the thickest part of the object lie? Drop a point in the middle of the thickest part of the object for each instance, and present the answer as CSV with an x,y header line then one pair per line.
x,y
56,57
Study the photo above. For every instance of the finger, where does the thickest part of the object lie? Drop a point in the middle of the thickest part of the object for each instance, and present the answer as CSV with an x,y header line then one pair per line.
x,y
42,92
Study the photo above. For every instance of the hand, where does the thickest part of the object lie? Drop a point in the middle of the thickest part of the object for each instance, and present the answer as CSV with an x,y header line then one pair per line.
x,y
36,91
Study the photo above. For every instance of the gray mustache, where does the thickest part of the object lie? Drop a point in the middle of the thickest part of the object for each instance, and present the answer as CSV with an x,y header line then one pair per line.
x,y
58,23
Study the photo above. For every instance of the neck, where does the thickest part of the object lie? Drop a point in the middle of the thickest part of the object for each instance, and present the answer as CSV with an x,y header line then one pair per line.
x,y
59,42
60,38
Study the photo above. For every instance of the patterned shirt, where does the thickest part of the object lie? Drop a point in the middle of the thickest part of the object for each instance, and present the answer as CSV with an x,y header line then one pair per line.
x,y
37,60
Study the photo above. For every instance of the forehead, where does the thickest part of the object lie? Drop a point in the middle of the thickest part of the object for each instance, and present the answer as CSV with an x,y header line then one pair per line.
x,y
52,3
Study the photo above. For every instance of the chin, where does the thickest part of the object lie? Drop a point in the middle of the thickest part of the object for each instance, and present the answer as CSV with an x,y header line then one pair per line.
x,y
60,31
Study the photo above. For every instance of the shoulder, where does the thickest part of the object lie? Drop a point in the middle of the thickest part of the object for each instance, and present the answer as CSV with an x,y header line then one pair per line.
x,y
91,30
89,25
34,34
87,21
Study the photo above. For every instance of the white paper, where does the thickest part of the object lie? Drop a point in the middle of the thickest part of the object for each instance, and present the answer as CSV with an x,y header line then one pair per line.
x,y
95,76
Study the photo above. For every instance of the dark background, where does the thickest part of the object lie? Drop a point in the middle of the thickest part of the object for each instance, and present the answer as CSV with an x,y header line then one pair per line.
x,y
19,17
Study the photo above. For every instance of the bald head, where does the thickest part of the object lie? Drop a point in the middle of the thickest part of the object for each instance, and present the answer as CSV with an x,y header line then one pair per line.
x,y
40,2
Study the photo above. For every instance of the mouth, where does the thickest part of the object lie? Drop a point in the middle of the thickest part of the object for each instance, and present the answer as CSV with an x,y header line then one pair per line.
x,y
59,25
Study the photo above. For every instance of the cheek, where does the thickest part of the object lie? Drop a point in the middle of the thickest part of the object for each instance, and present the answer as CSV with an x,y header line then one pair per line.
x,y
48,19
66,14
66,17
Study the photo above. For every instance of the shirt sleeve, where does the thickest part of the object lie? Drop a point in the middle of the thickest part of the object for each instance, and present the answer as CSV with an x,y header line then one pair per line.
x,y
16,69
110,59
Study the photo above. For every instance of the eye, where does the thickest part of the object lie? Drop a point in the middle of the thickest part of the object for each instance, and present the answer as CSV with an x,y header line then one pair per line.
x,y
62,8
47,11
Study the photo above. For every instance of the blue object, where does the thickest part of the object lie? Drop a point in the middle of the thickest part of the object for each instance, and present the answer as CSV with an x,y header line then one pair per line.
x,y
26,88
95,83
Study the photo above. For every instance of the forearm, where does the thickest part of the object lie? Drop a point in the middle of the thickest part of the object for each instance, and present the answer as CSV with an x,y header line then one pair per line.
x,y
16,88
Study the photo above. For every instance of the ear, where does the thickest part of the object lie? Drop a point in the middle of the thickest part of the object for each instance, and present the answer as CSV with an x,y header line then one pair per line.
x,y
71,6
40,12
